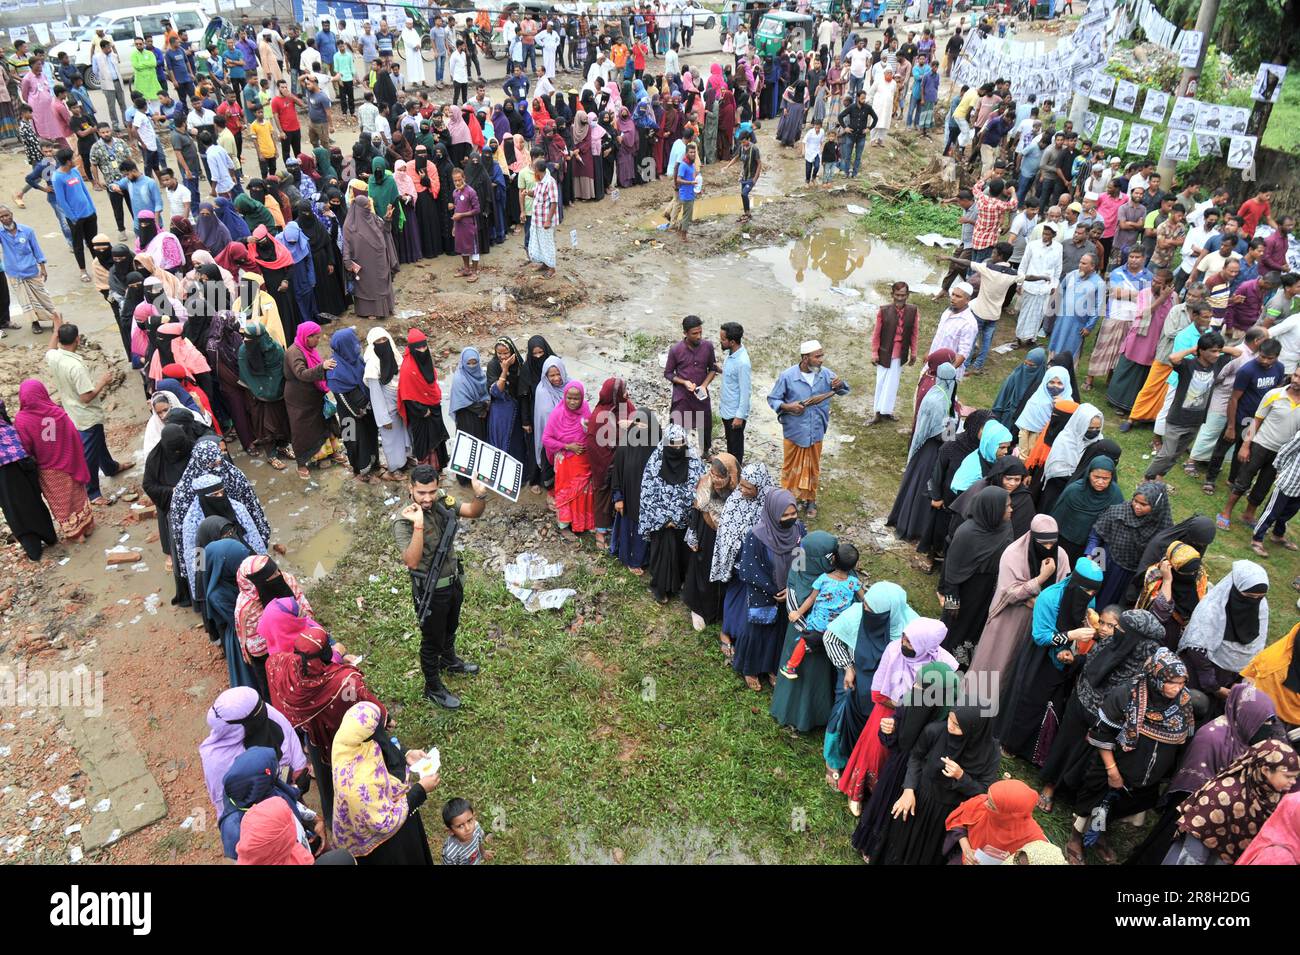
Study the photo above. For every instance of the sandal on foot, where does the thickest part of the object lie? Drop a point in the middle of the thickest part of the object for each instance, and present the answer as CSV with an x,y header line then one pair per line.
x,y
304,473
1208,487
1259,548
1074,853
277,464
1285,543
1221,522
1045,803
753,684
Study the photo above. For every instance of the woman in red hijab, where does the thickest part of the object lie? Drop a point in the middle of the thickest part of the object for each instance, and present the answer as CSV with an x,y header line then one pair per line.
x,y
419,401
48,435
234,258
610,420
178,372
997,823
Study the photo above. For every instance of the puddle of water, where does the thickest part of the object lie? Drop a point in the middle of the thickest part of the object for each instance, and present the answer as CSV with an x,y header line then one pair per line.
x,y
707,207
320,555
811,267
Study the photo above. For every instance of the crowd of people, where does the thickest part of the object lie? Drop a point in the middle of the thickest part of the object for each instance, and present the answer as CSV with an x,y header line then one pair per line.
x,y
1077,629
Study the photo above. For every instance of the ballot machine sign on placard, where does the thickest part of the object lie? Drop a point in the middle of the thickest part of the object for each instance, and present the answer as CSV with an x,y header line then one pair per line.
x,y
476,459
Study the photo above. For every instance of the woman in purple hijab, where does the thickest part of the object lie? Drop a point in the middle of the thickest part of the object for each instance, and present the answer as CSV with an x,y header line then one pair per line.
x,y
1248,718
500,123
240,719
764,567
213,233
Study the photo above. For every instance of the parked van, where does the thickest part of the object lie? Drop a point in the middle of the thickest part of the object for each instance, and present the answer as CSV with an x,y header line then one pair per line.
x,y
123,26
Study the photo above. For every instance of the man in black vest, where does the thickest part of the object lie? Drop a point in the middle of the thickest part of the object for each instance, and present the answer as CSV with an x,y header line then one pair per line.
x,y
892,340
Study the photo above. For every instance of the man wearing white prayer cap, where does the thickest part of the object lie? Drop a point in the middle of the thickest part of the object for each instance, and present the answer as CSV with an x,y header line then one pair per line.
x,y
957,326
800,399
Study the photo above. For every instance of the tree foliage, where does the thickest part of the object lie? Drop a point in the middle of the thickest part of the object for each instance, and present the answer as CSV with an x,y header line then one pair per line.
x,y
1253,31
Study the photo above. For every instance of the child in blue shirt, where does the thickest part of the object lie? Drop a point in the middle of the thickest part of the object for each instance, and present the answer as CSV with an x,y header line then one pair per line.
x,y
831,595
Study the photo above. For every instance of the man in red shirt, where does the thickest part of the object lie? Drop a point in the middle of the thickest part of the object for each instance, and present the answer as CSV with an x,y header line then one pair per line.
x,y
234,120
1255,210
284,108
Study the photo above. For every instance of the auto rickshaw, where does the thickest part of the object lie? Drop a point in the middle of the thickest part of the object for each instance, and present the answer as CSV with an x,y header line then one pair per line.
x,y
779,25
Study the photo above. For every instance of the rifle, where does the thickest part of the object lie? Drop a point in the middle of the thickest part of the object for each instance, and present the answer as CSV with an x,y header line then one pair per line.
x,y
439,558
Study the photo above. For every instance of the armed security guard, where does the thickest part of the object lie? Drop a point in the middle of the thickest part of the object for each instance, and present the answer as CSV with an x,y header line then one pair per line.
x,y
426,532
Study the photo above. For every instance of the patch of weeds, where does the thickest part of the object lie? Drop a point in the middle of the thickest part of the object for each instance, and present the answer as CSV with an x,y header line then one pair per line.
x,y
908,216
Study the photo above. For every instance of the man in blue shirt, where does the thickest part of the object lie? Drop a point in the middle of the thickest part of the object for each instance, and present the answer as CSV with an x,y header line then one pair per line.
x,y
74,201
24,264
178,69
326,44
685,182
734,404
799,398
140,190
516,86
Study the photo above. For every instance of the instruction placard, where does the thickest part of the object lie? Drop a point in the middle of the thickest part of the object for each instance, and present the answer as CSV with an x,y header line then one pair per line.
x,y
476,459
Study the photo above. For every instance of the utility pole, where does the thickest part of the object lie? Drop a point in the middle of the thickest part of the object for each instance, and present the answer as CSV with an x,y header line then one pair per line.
x,y
1187,83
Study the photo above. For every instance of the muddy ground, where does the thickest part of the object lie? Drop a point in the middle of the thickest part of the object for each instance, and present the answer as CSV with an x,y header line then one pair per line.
x,y
798,269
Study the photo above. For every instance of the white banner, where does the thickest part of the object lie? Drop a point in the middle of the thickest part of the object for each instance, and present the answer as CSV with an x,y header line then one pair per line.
x,y
1126,95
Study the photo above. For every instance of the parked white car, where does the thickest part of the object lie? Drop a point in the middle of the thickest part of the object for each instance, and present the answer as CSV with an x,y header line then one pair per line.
x,y
123,26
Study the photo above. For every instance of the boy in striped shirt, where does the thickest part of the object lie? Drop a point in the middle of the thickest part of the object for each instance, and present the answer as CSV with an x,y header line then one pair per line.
x,y
464,845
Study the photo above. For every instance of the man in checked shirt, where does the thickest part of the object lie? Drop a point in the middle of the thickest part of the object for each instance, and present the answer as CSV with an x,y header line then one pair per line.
x,y
991,204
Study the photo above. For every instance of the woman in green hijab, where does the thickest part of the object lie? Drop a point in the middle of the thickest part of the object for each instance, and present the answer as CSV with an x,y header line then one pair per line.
x,y
324,165
384,196
1082,502
254,212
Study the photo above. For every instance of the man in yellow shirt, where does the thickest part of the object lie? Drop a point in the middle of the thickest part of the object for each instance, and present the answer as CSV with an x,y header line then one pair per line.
x,y
959,121
266,137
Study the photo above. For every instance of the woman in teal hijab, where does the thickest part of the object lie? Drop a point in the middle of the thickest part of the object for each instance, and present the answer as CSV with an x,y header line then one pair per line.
x,y
384,195
1044,671
1081,503
805,703
324,165
1019,384
995,441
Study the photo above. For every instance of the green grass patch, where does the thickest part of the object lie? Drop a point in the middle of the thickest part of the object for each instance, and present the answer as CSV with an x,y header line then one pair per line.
x,y
1283,130
910,215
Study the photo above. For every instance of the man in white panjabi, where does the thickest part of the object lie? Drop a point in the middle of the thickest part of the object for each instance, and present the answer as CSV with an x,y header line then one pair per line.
x,y
414,59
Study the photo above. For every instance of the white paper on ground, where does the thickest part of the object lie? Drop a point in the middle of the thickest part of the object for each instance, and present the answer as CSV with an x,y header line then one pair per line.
x,y
936,241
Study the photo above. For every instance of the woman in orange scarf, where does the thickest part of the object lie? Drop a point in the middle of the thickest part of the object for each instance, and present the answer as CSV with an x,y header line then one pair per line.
x,y
998,822
419,402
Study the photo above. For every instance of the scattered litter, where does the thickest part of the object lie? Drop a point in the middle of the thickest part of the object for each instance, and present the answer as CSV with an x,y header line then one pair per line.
x,y
390,501
36,823
407,314
72,829
373,578
124,601
856,209
64,561
76,803
124,538
846,291
113,837
745,235
649,311
529,567
573,238
5,751
152,603
847,438
16,843
392,590
102,806
936,241
1004,349
52,759
62,796
74,854
35,797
